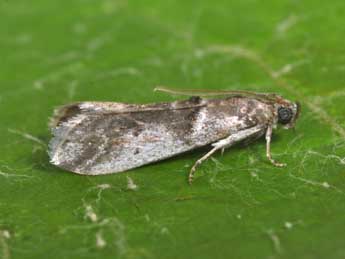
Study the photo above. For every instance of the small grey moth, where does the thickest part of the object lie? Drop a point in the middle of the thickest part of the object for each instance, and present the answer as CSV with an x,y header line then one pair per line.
x,y
96,138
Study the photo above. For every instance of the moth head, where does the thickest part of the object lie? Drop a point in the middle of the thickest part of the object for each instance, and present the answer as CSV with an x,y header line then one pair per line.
x,y
288,113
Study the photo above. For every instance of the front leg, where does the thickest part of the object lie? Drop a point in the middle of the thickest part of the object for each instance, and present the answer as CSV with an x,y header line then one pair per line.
x,y
268,147
225,143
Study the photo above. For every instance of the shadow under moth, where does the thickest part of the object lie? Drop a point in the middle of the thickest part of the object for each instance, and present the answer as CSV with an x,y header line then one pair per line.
x,y
97,138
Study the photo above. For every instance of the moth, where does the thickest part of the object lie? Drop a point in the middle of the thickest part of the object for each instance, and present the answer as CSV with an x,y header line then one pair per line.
x,y
97,138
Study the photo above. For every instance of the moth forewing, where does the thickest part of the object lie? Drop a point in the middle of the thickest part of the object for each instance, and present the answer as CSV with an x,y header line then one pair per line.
x,y
101,140
95,138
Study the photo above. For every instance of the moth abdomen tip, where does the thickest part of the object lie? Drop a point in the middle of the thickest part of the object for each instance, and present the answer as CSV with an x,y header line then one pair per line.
x,y
63,113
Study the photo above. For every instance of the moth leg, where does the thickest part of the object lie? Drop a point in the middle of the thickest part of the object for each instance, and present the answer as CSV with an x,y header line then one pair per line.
x,y
222,151
199,161
224,143
268,148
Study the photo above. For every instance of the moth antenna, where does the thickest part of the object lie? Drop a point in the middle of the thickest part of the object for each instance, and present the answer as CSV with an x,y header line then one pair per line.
x,y
174,91
205,92
200,92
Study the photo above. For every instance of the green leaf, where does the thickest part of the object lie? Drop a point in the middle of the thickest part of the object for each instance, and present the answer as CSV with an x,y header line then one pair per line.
x,y
56,52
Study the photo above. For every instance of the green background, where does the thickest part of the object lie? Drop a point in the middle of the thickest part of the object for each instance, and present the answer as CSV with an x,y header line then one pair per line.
x,y
55,52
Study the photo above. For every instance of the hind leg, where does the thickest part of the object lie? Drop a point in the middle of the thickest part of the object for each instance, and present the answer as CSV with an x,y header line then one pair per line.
x,y
225,143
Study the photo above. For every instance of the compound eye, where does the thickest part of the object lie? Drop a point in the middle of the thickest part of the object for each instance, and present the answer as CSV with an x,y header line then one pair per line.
x,y
284,115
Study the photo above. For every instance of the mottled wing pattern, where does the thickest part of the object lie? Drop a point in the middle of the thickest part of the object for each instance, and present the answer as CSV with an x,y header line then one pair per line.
x,y
100,138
